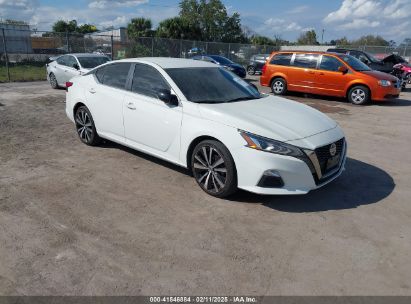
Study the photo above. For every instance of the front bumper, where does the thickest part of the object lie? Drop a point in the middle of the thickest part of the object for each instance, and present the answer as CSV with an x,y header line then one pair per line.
x,y
386,93
296,175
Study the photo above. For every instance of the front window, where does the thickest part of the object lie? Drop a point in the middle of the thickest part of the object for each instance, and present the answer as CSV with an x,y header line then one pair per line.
x,y
92,62
212,85
354,63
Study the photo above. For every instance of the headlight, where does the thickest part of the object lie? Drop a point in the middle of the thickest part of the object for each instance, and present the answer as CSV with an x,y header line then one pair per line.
x,y
229,68
269,145
384,83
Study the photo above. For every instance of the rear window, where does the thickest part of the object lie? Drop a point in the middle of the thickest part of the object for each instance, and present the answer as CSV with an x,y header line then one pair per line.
x,y
281,59
308,61
114,75
92,62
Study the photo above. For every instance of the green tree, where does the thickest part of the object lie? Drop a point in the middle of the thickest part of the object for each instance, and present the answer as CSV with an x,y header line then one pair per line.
x,y
65,26
139,27
370,40
261,40
178,28
213,20
86,28
308,38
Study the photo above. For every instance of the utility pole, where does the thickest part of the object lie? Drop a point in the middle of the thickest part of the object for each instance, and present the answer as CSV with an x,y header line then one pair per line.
x,y
322,36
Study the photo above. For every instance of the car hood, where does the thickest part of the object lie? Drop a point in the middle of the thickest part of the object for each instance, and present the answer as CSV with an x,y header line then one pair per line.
x,y
380,75
272,117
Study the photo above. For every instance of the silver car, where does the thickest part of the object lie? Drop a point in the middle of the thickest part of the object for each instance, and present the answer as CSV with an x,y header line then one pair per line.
x,y
61,69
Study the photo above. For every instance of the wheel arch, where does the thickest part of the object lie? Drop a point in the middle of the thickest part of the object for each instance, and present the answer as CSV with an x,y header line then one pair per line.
x,y
193,144
358,84
76,106
279,75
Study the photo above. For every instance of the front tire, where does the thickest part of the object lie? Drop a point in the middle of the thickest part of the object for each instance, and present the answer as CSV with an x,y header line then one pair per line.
x,y
359,95
214,169
251,70
279,86
53,81
85,127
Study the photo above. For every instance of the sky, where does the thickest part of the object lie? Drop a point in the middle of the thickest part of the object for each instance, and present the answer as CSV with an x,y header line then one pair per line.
x,y
338,18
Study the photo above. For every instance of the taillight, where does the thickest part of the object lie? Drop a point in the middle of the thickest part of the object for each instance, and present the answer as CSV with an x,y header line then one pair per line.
x,y
68,84
264,69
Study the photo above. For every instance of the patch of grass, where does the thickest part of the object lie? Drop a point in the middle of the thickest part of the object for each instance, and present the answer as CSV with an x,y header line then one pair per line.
x,y
23,73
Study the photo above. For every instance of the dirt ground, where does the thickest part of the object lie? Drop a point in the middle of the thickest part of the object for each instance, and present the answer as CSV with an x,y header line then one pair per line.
x,y
77,220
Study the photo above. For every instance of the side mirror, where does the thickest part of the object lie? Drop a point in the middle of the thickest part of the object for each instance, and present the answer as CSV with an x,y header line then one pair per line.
x,y
76,66
343,69
166,96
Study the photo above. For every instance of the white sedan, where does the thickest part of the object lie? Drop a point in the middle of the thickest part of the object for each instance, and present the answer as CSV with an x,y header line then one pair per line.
x,y
61,69
205,118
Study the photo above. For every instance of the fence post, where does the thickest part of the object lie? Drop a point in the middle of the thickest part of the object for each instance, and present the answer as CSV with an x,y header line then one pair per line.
x,y
152,46
112,48
229,51
67,42
181,48
5,54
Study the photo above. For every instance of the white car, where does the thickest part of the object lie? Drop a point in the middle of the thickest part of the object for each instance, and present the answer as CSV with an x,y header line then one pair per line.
x,y
202,117
61,69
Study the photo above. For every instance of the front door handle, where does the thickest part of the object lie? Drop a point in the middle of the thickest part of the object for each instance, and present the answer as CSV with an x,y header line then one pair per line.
x,y
131,105
92,91
311,72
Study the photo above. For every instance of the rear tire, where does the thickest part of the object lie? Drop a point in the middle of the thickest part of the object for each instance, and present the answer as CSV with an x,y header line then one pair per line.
x,y
359,95
85,127
279,86
214,169
251,70
53,81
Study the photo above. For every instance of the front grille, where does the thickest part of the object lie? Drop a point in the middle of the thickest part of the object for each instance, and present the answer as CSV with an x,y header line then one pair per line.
x,y
323,155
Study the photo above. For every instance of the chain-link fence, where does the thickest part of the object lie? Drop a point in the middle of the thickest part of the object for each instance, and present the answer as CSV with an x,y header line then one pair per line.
x,y
23,53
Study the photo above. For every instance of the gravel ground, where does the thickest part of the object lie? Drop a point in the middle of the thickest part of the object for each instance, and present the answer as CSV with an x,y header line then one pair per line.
x,y
77,220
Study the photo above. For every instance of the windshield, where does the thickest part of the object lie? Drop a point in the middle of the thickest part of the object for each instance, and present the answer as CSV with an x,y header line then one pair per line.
x,y
372,58
92,62
222,60
212,85
354,63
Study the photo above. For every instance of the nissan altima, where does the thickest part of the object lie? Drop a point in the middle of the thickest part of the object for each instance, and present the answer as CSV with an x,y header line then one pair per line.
x,y
205,118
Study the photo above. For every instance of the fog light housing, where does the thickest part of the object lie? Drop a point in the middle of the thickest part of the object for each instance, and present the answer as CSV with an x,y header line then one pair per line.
x,y
271,179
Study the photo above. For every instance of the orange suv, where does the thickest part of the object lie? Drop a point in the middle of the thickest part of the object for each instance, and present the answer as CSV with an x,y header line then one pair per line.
x,y
328,74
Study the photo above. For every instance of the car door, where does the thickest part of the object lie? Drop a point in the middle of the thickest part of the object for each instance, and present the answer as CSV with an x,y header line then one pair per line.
x,y
70,70
59,67
105,97
328,80
302,72
148,121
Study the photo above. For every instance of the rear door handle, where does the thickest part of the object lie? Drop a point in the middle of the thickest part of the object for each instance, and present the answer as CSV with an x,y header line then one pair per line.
x,y
131,105
92,91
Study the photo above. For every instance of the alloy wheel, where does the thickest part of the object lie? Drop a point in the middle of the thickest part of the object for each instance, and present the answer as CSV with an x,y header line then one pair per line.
x,y
209,169
84,125
358,96
278,87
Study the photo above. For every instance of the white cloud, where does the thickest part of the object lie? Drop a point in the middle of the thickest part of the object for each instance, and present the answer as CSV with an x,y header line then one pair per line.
x,y
103,4
383,17
281,25
351,9
299,9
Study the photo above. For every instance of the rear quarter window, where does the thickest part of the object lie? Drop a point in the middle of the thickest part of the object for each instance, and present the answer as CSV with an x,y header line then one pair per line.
x,y
281,59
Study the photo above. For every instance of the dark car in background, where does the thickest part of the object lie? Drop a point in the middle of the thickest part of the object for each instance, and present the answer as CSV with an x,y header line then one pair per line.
x,y
256,63
367,58
224,62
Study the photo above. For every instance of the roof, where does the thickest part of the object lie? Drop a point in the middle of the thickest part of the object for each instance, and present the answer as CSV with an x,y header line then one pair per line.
x,y
167,63
87,54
